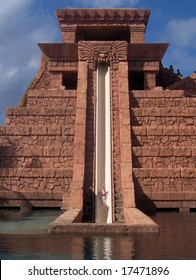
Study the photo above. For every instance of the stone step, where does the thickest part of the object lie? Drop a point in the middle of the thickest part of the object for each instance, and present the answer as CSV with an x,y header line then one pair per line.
x,y
161,157
36,135
176,180
51,98
39,93
157,93
35,179
163,116
167,136
164,188
36,162
163,102
37,130
52,102
37,151
40,116
36,172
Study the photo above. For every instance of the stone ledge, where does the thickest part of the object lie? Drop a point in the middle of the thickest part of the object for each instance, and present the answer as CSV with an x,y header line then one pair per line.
x,y
137,222
159,151
37,130
36,172
158,93
164,130
164,172
164,112
31,195
43,93
24,111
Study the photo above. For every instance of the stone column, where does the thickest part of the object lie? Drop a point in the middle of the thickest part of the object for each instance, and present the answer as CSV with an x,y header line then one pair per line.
x,y
149,80
55,80
125,139
137,35
77,185
69,33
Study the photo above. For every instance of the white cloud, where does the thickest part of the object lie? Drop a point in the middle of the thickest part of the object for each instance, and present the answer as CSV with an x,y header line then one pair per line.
x,y
33,63
108,3
182,33
8,6
20,31
182,59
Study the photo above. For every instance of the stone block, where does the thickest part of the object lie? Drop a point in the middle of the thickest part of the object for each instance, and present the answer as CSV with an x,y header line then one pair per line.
x,y
182,152
123,100
80,116
81,101
127,185
124,117
160,196
125,134
78,172
153,152
166,152
126,153
141,172
137,151
154,130
126,172
128,197
193,151
190,196
79,154
188,173
80,134
177,196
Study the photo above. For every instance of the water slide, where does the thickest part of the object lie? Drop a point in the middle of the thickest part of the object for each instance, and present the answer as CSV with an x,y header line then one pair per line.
x,y
103,174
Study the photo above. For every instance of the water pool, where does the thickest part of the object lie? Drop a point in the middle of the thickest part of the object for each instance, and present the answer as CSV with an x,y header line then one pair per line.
x,y
25,236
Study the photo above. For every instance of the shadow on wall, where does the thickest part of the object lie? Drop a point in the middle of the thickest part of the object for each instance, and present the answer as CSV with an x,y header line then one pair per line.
x,y
24,204
143,202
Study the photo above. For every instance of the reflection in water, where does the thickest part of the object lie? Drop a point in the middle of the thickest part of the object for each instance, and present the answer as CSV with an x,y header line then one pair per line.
x,y
26,237
102,248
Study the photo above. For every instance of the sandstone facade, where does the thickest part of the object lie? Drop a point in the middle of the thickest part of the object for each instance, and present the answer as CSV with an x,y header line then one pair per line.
x,y
47,147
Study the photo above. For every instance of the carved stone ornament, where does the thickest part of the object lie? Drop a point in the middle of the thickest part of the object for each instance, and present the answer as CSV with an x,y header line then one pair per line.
x,y
95,52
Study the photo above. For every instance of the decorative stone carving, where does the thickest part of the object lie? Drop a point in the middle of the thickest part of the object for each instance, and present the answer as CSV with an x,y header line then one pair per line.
x,y
95,52
108,16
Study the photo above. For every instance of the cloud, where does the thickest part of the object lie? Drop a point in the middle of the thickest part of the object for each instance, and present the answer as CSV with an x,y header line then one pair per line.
x,y
181,34
20,31
8,6
182,59
107,3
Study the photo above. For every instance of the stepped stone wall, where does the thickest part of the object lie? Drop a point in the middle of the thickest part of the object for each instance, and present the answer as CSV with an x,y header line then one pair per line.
x,y
36,149
164,148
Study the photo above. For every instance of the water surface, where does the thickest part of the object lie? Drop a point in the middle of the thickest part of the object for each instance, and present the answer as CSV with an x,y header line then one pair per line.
x,y
25,236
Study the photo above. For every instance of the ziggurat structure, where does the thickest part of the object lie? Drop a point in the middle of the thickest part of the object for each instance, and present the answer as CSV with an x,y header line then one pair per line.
x,y
102,110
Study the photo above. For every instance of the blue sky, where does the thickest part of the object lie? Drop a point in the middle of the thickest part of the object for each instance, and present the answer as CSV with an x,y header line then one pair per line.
x,y
24,23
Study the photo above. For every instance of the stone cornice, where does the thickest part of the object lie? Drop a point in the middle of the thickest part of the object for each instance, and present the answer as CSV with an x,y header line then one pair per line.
x,y
60,51
147,51
103,16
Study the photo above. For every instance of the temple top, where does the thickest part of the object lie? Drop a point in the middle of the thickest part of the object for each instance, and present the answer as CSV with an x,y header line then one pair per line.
x,y
119,24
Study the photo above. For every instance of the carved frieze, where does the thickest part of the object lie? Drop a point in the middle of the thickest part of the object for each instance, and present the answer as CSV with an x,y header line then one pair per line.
x,y
100,16
95,52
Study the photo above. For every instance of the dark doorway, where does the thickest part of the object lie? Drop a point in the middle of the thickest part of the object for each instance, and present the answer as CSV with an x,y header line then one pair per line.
x,y
136,80
69,79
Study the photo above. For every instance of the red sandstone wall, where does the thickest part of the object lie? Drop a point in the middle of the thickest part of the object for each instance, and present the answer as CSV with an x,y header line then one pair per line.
x,y
36,149
164,148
